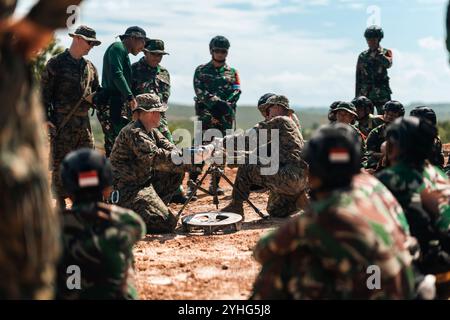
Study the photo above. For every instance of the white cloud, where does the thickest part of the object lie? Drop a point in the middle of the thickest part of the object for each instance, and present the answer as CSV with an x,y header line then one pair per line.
x,y
431,43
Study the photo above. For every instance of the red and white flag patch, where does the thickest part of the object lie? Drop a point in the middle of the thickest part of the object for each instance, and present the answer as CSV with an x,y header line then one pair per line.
x,y
88,179
339,155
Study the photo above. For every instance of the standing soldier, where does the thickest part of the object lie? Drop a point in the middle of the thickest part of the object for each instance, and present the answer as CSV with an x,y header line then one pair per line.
x,y
97,237
116,82
372,79
28,226
217,89
68,79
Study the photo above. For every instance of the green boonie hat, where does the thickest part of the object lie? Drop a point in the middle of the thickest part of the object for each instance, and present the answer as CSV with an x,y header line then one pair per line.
x,y
347,106
155,46
149,102
278,100
87,34
136,32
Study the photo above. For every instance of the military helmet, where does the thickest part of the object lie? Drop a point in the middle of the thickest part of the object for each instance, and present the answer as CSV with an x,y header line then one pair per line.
x,y
394,106
363,102
334,155
414,136
86,172
374,32
219,42
331,114
424,112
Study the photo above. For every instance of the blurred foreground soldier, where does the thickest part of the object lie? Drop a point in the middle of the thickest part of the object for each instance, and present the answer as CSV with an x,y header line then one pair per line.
x,y
145,176
325,253
426,113
29,228
116,83
392,111
97,237
288,185
423,190
372,79
217,89
366,120
68,79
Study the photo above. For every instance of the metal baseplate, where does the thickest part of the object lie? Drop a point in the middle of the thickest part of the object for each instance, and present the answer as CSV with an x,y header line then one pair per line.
x,y
211,222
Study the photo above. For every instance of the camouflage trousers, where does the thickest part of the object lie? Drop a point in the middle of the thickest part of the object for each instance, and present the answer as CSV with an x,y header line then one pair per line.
x,y
76,134
287,188
111,126
150,201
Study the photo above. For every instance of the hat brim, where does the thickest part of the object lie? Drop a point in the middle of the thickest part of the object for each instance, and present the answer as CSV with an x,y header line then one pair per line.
x,y
95,41
156,51
263,108
161,108
349,111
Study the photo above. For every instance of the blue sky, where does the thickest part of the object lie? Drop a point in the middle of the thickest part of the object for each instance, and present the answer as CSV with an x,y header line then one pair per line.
x,y
305,49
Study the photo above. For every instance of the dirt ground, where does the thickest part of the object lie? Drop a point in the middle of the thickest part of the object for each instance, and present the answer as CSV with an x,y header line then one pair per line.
x,y
198,266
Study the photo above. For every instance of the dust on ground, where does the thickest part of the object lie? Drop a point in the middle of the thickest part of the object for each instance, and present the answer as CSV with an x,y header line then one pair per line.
x,y
197,266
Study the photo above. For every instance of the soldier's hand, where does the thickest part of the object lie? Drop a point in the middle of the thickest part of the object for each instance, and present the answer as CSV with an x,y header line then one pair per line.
x,y
50,125
133,104
90,98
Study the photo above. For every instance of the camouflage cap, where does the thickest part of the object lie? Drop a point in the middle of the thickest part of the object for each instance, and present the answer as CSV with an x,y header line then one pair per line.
x,y
155,46
279,100
347,106
87,34
150,102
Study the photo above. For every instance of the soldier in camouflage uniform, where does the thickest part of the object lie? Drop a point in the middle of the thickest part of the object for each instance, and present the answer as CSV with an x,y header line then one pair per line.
x,y
217,89
366,120
145,176
392,111
345,113
372,80
426,113
148,76
423,191
97,237
331,113
351,225
68,79
278,105
29,228
288,186
115,113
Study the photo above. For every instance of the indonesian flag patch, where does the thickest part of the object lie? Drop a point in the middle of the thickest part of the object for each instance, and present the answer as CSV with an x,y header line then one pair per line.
x,y
339,155
88,179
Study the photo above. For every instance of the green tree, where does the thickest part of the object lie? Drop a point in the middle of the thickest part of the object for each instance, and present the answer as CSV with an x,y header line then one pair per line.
x,y
38,65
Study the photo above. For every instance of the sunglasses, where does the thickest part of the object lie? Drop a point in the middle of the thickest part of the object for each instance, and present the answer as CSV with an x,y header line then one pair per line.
x,y
222,51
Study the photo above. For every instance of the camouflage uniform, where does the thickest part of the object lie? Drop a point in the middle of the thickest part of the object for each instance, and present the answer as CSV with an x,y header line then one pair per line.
x,y
325,252
213,86
145,175
365,127
153,80
64,82
374,141
29,229
101,246
372,79
289,183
